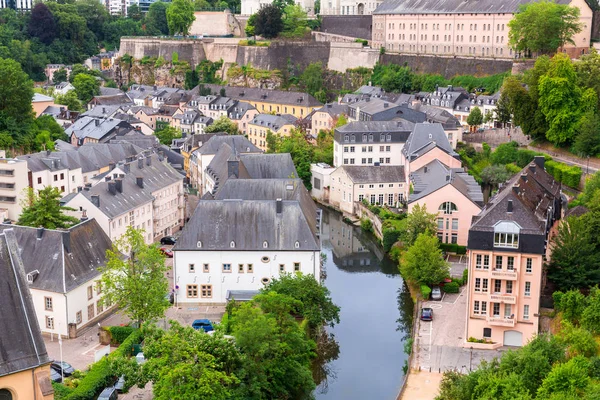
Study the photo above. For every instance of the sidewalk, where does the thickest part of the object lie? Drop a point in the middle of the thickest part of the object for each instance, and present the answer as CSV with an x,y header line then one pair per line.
x,y
421,385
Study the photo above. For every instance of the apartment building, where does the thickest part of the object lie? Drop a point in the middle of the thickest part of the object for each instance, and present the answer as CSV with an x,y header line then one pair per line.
x,y
25,368
262,124
191,122
369,142
459,28
326,117
507,244
63,275
13,184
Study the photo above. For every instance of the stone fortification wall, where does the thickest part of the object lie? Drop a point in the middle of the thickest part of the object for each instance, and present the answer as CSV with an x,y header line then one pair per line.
x,y
448,67
215,23
343,56
189,50
281,55
357,26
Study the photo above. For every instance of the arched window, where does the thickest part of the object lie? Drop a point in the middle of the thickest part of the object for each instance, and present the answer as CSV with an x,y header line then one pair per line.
x,y
5,394
448,207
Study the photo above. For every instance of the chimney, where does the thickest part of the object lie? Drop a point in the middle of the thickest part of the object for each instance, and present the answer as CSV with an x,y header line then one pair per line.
x,y
40,232
48,152
386,105
103,110
524,178
111,166
532,168
112,187
425,169
539,161
509,206
140,181
88,185
140,163
79,189
233,168
516,189
447,178
83,216
279,206
119,185
126,168
148,160
96,200
66,239
97,122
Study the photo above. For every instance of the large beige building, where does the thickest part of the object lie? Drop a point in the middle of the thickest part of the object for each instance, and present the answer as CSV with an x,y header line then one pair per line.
x,y
458,28
507,244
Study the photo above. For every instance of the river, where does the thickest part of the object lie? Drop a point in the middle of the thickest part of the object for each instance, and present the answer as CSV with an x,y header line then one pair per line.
x,y
375,317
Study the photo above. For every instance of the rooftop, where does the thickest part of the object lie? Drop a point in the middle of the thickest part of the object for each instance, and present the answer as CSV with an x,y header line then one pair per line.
x,y
425,137
263,95
375,174
451,6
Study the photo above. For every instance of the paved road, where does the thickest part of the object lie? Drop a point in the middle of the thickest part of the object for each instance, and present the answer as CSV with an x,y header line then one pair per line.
x,y
440,342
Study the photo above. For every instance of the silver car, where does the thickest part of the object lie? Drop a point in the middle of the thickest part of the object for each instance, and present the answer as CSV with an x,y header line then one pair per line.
x,y
436,293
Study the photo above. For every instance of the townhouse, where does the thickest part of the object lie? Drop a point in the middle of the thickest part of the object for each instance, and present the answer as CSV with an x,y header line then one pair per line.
x,y
459,28
191,122
144,192
96,130
25,367
63,269
41,102
262,124
13,182
326,117
507,244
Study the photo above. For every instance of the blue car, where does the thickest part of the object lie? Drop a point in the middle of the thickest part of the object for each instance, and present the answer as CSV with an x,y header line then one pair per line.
x,y
202,324
426,314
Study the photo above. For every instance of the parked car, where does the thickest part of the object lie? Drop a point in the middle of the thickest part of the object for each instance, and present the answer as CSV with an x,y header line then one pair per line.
x,y
120,385
203,324
110,393
67,369
436,293
167,252
168,240
55,376
426,314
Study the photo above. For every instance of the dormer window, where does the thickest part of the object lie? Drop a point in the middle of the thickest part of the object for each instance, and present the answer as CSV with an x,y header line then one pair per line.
x,y
232,244
345,138
297,245
265,244
448,207
506,234
199,244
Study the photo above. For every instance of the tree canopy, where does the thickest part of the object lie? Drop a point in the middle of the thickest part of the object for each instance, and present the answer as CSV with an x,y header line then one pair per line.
x,y
43,209
543,26
167,134
423,262
419,221
136,283
180,16
222,124
268,22
475,117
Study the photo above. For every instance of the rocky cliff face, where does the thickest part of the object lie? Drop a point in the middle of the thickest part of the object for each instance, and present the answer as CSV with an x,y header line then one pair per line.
x,y
151,72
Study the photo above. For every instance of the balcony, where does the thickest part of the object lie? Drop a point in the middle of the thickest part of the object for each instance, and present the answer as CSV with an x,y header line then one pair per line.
x,y
500,321
503,298
510,275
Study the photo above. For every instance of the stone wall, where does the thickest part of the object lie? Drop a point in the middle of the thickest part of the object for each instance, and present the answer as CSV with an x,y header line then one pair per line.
x,y
448,67
357,26
189,50
330,37
284,55
215,23
343,56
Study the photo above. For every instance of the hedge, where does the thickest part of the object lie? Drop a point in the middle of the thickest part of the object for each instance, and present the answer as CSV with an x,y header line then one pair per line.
x,y
465,277
118,334
100,374
569,175
425,291
451,287
453,248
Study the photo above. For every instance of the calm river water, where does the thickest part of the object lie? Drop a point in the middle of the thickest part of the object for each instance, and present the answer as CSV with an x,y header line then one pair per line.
x,y
375,319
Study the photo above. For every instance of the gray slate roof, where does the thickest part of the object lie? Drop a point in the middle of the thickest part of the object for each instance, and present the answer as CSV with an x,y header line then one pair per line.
x,y
256,94
371,174
269,166
399,132
97,128
21,343
451,6
273,122
334,109
435,175
248,224
64,259
101,111
238,143
425,137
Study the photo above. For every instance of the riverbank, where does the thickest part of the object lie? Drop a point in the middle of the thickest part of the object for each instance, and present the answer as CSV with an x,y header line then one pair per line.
x,y
421,385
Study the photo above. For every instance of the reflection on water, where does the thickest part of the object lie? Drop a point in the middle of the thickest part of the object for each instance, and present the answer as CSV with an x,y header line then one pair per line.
x,y
375,319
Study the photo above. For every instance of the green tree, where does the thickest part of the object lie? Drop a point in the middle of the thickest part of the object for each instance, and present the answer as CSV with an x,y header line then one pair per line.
x,y
575,261
312,78
503,110
41,24
590,318
180,16
419,221
48,123
587,141
136,283
114,30
70,100
78,69
191,79
579,341
269,21
200,5
543,27
134,12
86,87
395,78
315,300
591,190
423,263
44,140
506,153
16,92
294,21
302,154
571,304
475,117
494,175
569,378
167,134
250,29
222,124
44,209
156,19
60,75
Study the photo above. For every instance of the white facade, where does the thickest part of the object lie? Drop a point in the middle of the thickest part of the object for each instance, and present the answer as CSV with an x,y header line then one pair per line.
x,y
321,181
19,5
206,276
348,7
250,7
64,180
13,182
365,154
169,208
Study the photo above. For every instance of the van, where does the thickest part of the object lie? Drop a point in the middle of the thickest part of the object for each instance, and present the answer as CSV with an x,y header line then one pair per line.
x,y
109,393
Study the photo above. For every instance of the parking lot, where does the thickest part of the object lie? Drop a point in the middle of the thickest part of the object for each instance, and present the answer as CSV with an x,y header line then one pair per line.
x,y
439,343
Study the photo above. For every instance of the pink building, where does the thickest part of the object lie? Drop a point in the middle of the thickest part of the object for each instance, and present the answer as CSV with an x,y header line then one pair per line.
x,y
507,244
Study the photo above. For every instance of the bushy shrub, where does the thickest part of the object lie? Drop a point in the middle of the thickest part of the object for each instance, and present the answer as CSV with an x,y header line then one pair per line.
x,y
465,277
366,225
451,287
568,175
61,391
390,236
118,334
524,157
425,292
453,248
